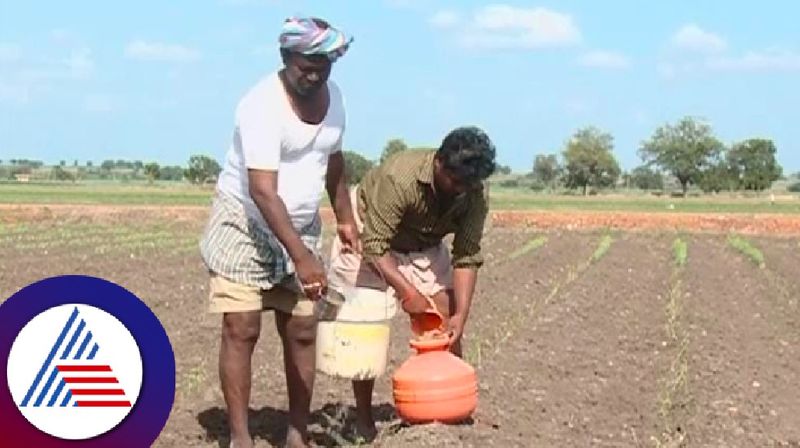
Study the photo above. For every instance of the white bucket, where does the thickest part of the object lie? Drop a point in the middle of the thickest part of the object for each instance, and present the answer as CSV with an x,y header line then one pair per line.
x,y
356,345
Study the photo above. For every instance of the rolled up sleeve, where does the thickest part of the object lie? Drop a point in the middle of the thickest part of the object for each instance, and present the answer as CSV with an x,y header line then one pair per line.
x,y
382,218
467,239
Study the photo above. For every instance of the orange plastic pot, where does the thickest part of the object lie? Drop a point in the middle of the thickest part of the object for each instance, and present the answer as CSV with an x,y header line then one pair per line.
x,y
434,385
426,322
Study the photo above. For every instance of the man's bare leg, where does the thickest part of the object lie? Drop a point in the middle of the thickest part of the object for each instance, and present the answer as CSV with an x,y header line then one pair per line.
x,y
240,333
298,334
365,423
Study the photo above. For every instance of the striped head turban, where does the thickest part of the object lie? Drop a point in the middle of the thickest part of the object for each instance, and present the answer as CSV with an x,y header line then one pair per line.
x,y
305,36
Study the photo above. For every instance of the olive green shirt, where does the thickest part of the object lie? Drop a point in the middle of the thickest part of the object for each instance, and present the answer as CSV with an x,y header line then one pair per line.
x,y
401,212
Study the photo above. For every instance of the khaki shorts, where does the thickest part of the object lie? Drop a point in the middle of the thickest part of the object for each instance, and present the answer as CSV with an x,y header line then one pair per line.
x,y
226,296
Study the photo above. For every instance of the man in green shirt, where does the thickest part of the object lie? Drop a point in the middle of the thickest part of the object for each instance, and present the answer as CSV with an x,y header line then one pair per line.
x,y
405,208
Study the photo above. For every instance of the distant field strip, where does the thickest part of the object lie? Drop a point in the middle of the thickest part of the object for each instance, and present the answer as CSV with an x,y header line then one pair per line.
x,y
172,193
99,238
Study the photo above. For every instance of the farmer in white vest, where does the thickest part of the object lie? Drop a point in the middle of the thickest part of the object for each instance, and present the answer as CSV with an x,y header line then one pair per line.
x,y
262,242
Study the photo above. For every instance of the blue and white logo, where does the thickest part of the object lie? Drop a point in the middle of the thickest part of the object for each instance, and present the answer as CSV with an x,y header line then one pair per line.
x,y
75,371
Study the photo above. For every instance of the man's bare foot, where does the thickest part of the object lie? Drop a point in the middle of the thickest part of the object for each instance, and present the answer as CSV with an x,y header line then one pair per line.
x,y
241,442
366,430
295,439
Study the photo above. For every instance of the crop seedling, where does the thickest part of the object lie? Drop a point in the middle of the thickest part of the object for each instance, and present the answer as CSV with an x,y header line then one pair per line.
x,y
602,247
529,247
747,249
680,252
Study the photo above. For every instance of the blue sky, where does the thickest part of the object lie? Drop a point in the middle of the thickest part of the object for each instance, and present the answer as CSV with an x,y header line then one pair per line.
x,y
92,80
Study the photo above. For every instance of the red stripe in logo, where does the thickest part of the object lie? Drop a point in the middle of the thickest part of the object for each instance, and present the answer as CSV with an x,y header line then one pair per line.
x,y
104,404
84,368
89,379
98,392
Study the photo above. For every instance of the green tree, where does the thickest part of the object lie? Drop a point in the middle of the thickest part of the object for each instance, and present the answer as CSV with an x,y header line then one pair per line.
x,y
393,147
546,169
152,171
589,160
717,175
80,173
753,164
646,178
202,169
59,173
356,166
171,173
683,150
503,169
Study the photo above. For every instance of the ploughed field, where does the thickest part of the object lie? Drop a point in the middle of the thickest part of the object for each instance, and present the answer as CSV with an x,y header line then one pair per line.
x,y
580,337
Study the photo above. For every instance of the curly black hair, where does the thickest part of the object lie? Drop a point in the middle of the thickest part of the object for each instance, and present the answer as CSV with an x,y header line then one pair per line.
x,y
468,153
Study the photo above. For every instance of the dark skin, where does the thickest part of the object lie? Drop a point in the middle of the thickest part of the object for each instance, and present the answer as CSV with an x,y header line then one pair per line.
x,y
453,305
305,83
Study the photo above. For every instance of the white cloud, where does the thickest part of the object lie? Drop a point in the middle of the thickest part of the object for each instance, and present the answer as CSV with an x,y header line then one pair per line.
x,y
157,51
10,52
509,27
713,56
445,19
693,38
604,59
77,66
33,76
754,61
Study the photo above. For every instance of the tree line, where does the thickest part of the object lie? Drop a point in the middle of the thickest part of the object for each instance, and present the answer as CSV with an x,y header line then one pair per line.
x,y
687,150
200,169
